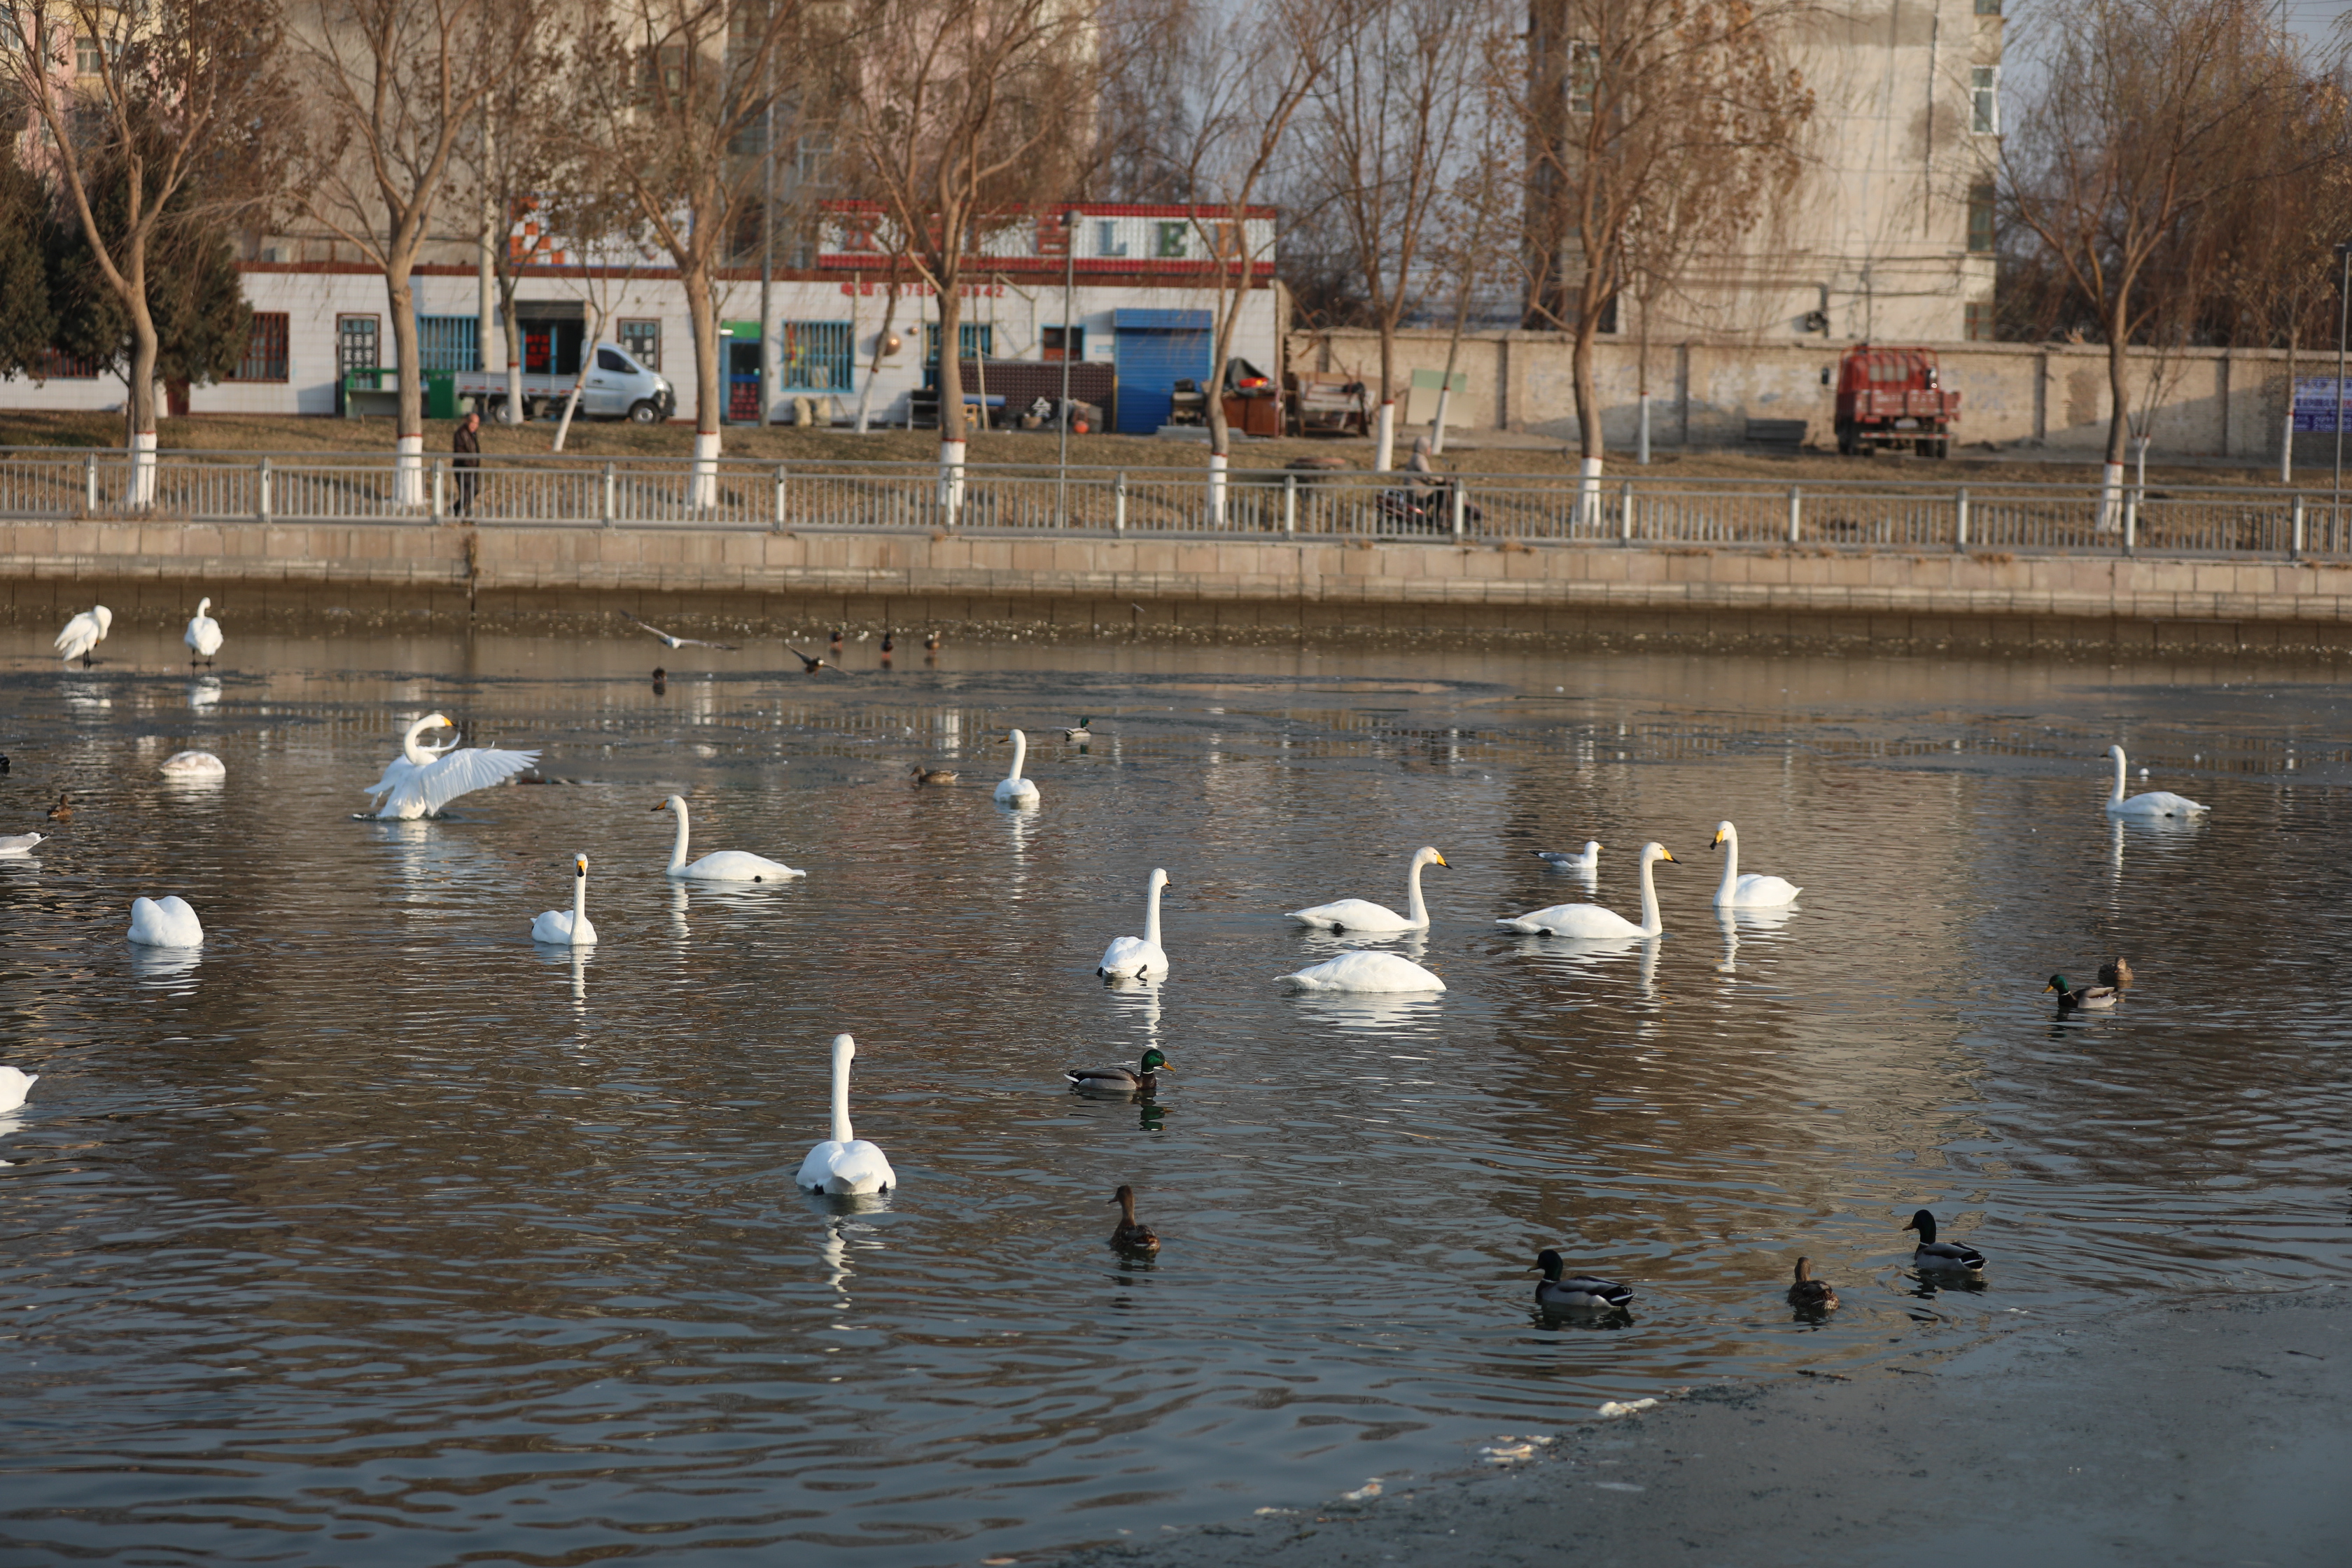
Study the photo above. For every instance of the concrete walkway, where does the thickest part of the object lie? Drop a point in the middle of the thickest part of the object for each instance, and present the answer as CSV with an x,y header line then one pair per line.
x,y
2211,1431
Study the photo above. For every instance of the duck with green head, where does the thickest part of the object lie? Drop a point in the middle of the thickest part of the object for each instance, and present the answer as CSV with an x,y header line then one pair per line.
x,y
2094,997
1141,1079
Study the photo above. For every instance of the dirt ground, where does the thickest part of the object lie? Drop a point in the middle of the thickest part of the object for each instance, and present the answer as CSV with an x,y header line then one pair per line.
x,y
1488,453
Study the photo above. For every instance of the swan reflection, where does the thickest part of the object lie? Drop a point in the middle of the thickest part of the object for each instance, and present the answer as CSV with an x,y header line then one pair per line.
x,y
203,693
1382,1012
162,966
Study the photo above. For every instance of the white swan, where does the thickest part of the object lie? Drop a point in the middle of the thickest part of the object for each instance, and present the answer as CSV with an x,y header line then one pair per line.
x,y
1361,914
19,843
167,922
571,926
1365,971
1012,788
16,1083
1755,890
1588,862
1590,921
845,1162
2155,803
421,781
720,865
83,633
203,634
193,765
1132,958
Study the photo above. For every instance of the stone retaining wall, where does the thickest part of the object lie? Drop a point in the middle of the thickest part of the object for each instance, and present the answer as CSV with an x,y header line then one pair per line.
x,y
158,570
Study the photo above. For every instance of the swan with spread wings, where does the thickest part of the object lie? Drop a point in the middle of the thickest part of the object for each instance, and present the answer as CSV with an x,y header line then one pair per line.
x,y
423,780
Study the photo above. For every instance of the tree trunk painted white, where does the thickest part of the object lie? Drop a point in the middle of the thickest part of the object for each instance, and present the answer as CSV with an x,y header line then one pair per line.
x,y
1437,421
1220,466
1588,494
1642,441
580,377
2110,499
408,473
951,481
705,492
2286,440
142,469
1384,439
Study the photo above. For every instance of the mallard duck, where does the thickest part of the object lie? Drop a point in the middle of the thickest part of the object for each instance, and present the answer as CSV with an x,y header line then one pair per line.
x,y
889,642
1132,1234
63,810
1143,1080
931,642
2097,997
1809,1294
2116,974
1577,1290
1933,1254
1079,736
924,776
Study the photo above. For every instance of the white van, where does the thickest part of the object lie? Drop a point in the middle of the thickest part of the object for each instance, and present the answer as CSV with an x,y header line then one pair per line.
x,y
616,387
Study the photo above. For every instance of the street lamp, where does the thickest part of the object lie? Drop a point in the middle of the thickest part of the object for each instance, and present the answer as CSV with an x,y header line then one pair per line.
x,y
1069,282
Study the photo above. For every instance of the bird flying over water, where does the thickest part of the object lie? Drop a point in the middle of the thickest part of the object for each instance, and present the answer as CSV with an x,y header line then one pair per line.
x,y
672,640
811,664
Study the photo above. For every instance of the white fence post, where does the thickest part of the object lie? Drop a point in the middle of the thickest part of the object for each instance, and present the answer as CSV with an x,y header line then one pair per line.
x,y
2131,521
1291,503
440,487
1461,508
2295,548
780,498
1118,505
612,507
1625,524
261,493
89,482
1960,518
1796,514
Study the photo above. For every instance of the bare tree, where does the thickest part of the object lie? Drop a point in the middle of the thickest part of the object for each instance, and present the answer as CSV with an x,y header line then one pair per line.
x,y
677,95
1478,207
958,115
1380,147
2126,149
1657,131
172,97
521,160
396,88
1252,68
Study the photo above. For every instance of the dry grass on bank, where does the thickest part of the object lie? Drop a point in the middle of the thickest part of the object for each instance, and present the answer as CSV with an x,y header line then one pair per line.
x,y
1496,454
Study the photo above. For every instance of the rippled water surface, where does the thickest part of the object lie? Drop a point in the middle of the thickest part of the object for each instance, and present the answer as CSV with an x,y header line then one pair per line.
x,y
375,1234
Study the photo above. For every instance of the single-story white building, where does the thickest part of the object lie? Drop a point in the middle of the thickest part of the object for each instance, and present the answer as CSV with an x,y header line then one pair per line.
x,y
1128,289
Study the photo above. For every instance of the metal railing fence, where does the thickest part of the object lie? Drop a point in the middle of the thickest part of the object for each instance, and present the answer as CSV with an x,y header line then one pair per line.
x,y
1896,512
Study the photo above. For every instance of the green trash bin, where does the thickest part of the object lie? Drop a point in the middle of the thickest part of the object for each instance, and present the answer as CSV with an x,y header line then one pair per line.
x,y
440,394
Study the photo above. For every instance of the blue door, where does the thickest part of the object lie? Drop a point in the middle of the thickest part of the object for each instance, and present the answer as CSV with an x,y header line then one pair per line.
x,y
1157,348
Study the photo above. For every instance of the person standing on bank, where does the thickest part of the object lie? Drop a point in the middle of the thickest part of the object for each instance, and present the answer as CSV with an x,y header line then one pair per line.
x,y
467,445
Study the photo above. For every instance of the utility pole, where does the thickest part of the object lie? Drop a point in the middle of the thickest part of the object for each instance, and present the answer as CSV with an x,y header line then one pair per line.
x,y
1069,287
767,237
2343,320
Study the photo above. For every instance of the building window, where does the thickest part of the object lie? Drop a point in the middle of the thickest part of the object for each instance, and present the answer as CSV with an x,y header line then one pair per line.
x,y
643,339
87,57
265,350
974,339
1583,76
355,344
448,342
1984,99
56,365
1988,8
1065,342
1976,320
1980,219
815,356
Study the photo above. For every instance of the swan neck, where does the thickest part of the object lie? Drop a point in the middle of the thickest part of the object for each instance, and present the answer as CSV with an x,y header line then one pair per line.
x,y
842,1132
2117,757
1152,915
1415,911
1651,924
411,750
579,902
1731,884
678,844
1020,754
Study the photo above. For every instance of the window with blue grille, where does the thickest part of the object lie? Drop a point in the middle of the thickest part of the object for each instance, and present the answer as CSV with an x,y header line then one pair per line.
x,y
974,339
815,356
448,342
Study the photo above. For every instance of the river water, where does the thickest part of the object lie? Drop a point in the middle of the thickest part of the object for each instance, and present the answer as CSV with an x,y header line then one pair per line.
x,y
372,1233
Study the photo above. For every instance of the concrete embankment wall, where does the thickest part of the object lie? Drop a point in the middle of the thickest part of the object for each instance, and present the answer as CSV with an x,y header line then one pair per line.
x,y
157,569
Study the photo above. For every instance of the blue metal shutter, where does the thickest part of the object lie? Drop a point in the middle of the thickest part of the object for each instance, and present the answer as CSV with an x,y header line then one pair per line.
x,y
1156,348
